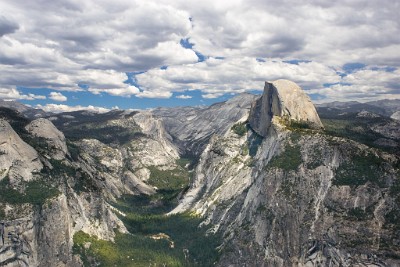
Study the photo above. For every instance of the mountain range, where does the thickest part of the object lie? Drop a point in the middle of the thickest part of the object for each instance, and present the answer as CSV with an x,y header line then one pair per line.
x,y
266,180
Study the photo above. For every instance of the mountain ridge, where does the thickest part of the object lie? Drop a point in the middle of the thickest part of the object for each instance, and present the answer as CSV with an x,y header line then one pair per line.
x,y
298,196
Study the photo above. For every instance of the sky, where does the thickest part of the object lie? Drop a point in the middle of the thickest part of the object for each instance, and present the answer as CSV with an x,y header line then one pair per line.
x,y
62,55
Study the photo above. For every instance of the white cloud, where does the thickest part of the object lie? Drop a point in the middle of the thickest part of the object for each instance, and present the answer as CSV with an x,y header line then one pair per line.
x,y
183,96
363,85
58,108
210,96
56,96
104,40
332,34
154,94
127,91
14,94
234,75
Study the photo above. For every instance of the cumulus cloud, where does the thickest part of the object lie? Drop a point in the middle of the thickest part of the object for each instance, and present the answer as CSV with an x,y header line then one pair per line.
x,y
7,26
58,108
14,94
363,85
212,95
235,75
56,96
183,96
107,81
154,94
329,33
104,40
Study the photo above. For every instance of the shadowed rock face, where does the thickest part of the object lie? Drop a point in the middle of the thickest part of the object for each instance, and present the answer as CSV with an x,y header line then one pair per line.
x,y
286,99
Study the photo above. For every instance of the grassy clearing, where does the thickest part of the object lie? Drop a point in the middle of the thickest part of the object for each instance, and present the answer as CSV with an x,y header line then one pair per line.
x,y
127,250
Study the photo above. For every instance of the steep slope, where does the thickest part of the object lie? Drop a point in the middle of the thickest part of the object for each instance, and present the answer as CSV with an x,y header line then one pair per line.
x,y
191,128
54,189
22,109
297,197
45,197
396,116
44,129
271,187
18,160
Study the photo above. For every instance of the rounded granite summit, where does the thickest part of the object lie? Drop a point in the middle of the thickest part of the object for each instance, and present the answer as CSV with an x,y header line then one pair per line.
x,y
45,129
286,99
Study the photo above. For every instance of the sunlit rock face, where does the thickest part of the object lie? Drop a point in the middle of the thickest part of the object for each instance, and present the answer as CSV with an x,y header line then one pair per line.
x,y
293,196
285,99
191,128
278,193
18,160
45,129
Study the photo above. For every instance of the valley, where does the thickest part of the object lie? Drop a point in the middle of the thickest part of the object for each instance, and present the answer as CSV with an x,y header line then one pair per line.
x,y
254,181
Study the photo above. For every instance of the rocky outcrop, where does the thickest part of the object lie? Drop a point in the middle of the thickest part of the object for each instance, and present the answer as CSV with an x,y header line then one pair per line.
x,y
156,147
192,127
18,160
43,236
36,232
295,198
45,129
22,109
289,205
285,99
278,195
396,116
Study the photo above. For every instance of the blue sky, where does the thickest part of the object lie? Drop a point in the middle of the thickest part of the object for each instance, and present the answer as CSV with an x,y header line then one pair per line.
x,y
85,98
144,54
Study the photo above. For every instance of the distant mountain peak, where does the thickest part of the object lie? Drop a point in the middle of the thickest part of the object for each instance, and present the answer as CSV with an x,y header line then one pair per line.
x,y
282,98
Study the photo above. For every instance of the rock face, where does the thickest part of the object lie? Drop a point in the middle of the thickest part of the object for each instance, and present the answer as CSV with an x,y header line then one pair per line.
x,y
286,99
278,195
191,128
18,160
396,116
84,179
294,203
296,198
26,111
45,129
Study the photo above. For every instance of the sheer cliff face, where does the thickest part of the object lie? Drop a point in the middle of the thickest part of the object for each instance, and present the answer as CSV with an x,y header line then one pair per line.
x,y
284,99
287,196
